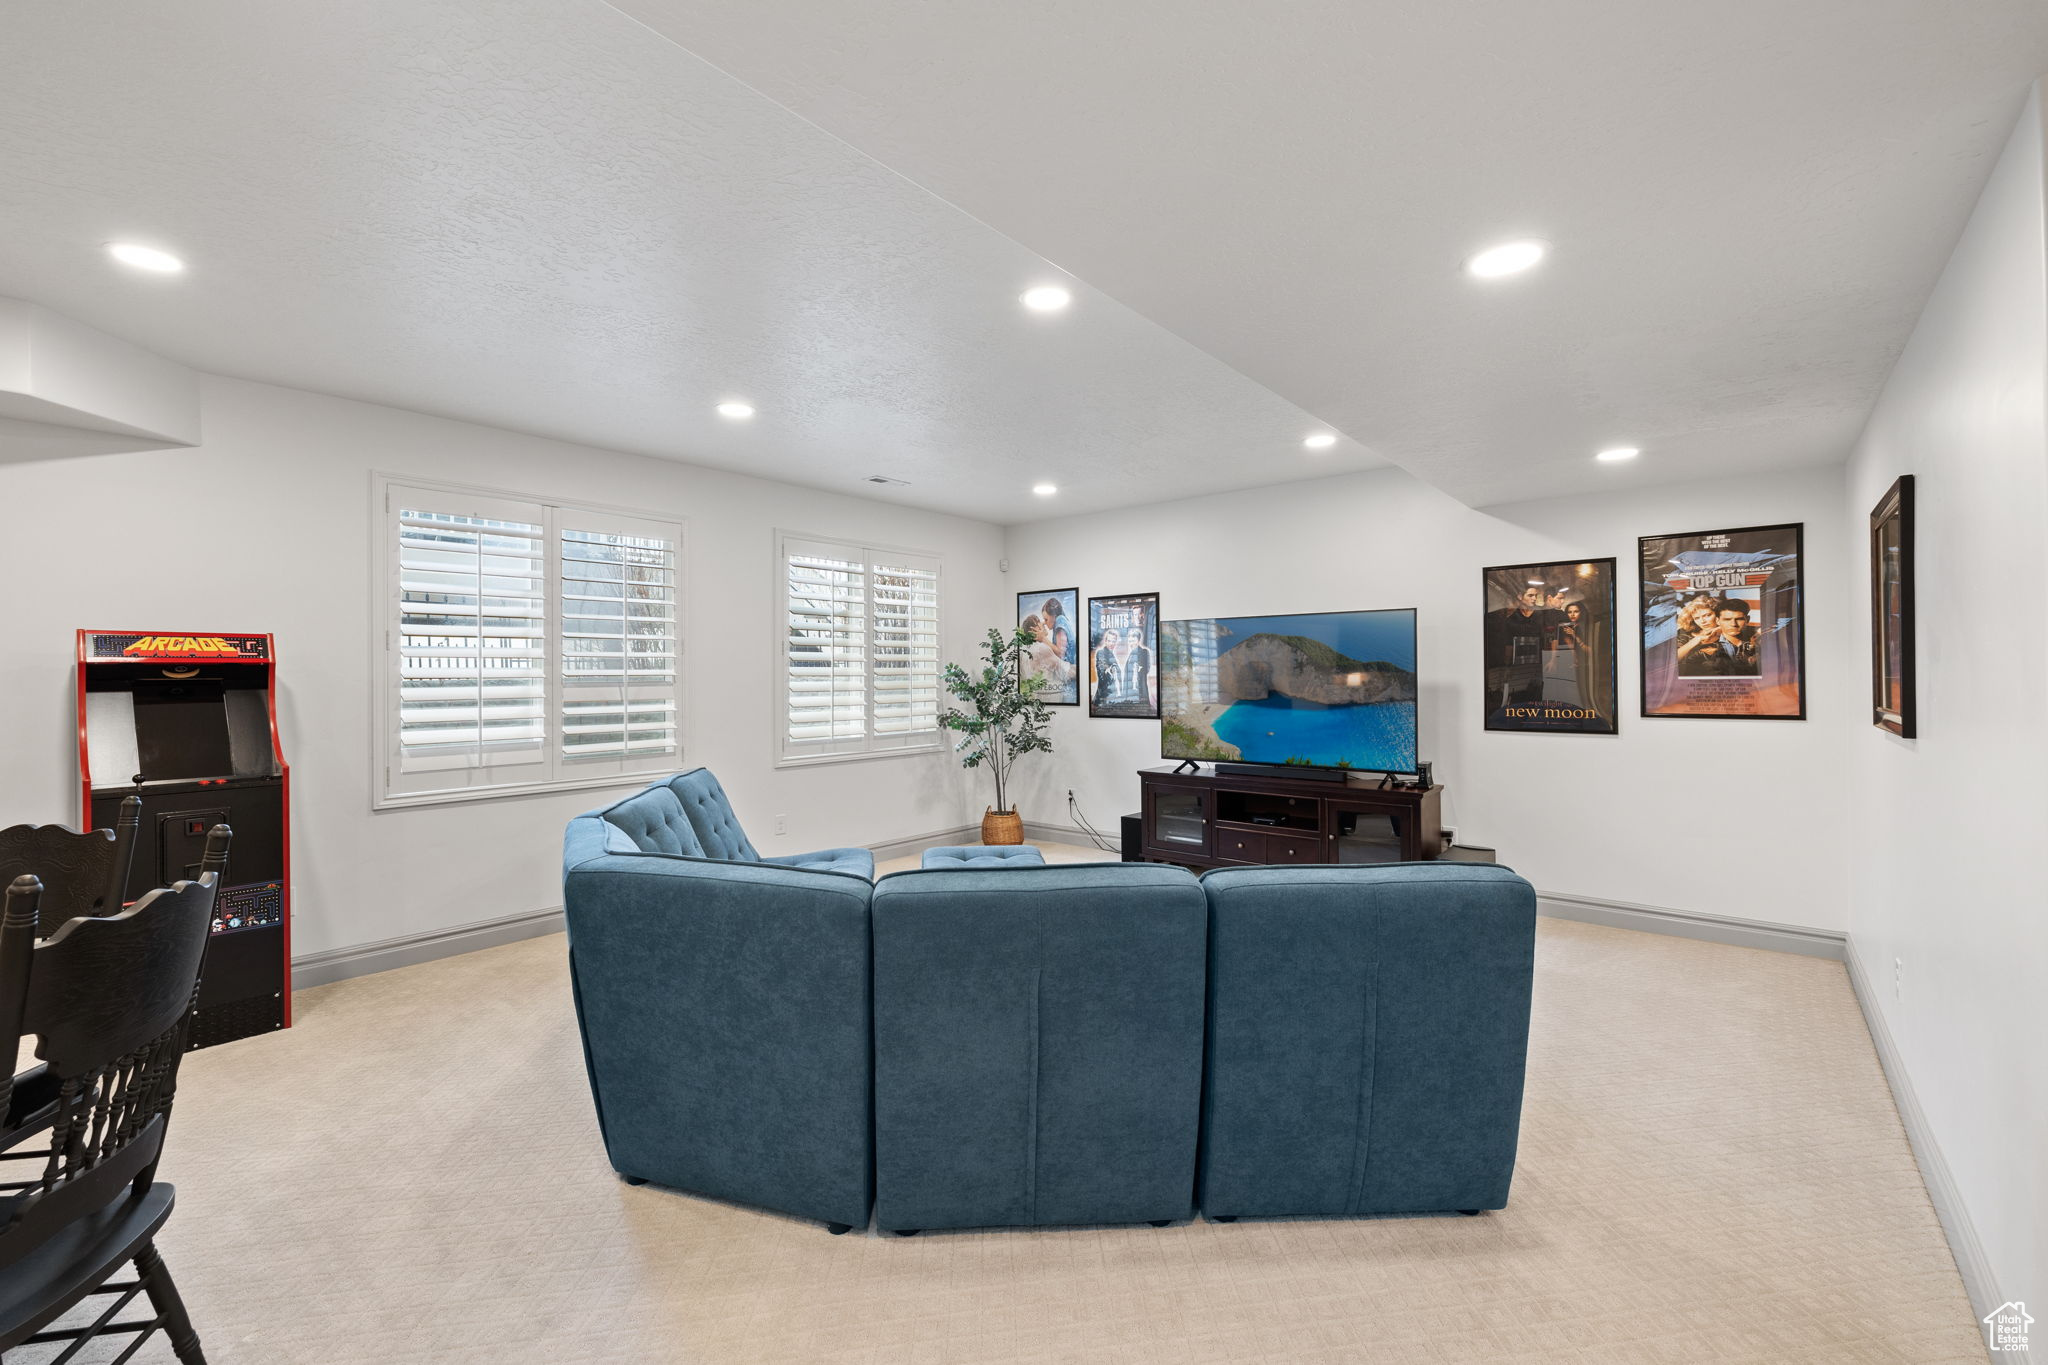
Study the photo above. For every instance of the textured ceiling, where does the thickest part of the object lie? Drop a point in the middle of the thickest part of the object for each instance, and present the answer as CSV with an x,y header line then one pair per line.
x,y
550,217
1749,200
545,217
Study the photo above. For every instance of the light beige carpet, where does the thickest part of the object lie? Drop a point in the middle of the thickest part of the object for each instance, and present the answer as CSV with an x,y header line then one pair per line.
x,y
1711,1171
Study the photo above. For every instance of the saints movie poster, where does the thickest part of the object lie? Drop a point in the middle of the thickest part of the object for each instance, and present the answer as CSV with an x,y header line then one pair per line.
x,y
1123,656
1550,648
1723,624
1054,654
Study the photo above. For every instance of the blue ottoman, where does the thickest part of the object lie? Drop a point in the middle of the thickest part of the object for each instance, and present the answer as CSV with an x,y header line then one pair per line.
x,y
984,855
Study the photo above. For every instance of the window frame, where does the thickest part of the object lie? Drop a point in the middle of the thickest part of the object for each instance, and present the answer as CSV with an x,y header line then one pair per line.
x,y
779,644
562,773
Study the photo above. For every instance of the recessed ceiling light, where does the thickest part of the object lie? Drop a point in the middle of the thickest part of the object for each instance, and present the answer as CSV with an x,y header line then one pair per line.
x,y
1509,258
1045,490
738,411
1538,583
1616,454
1046,298
1322,440
145,257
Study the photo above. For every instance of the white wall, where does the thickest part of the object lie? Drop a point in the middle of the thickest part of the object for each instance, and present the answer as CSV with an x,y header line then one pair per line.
x,y
267,526
1724,817
1949,831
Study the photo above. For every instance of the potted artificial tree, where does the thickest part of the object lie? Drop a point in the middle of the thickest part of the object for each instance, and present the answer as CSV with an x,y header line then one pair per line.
x,y
1003,720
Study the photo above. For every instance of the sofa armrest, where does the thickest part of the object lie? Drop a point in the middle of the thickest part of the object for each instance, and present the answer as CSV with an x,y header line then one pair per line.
x,y
788,863
856,862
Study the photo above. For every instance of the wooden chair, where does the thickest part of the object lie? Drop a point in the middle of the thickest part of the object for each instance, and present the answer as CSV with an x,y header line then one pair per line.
x,y
82,874
110,999
32,1103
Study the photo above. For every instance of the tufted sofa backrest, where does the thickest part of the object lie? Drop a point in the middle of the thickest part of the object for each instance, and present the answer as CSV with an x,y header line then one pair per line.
x,y
702,802
651,821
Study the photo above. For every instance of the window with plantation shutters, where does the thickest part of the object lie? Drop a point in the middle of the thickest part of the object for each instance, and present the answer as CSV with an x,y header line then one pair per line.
x,y
618,675
472,639
529,645
903,599
860,652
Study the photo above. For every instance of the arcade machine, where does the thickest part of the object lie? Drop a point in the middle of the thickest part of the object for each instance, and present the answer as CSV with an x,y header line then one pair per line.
x,y
189,724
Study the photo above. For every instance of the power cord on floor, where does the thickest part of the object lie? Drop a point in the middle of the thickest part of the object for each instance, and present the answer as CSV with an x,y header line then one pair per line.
x,y
1074,814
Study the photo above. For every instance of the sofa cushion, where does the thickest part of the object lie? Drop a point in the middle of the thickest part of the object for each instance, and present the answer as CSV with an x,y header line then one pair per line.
x,y
726,1026
1367,1031
1038,1045
710,815
651,821
857,861
983,855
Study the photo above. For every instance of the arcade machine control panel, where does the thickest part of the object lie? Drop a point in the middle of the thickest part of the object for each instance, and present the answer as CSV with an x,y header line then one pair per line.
x,y
188,722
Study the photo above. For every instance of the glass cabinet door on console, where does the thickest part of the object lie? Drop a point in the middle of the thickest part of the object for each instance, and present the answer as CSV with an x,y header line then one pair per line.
x,y
1177,820
1365,836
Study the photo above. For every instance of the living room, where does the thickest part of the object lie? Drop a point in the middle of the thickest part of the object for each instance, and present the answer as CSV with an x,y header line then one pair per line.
x,y
754,364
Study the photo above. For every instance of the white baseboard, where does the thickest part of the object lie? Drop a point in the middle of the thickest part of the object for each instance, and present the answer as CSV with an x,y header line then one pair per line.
x,y
1740,933
1037,831
340,964
1971,1262
918,843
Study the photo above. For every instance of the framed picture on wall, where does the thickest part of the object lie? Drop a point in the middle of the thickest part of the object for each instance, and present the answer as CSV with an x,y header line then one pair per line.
x,y
1550,648
1891,610
1122,671
1724,624
1054,654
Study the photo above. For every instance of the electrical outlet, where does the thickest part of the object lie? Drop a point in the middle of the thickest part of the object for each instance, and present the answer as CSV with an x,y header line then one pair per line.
x,y
782,824
1898,976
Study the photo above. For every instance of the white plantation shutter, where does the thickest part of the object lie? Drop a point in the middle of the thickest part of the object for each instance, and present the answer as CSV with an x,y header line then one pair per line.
x,y
619,654
904,597
826,654
861,650
472,647
529,644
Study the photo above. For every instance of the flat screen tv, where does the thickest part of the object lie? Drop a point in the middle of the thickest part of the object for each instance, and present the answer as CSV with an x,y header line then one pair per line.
x,y
1333,689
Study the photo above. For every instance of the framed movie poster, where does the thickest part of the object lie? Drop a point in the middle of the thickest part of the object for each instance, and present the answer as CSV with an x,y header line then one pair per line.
x,y
1550,648
1891,610
1724,626
1123,656
1055,650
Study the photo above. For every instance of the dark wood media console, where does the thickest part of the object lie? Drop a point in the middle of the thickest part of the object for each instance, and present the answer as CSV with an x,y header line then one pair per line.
x,y
1202,819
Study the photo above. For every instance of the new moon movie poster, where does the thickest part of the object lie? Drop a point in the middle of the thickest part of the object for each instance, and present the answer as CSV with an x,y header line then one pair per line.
x,y
1123,656
1054,654
1724,625
1550,648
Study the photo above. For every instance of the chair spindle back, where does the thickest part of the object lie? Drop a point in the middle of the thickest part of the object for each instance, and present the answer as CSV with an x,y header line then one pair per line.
x,y
110,999
82,874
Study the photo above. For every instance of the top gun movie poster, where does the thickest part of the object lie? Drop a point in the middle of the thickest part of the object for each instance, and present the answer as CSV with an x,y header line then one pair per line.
x,y
1550,648
1724,630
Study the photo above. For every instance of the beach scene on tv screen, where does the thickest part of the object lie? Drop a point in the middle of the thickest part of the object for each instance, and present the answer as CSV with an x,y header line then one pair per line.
x,y
1327,690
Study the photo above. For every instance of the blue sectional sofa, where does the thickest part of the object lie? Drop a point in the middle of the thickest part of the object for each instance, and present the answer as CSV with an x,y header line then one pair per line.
x,y
1038,1045
1367,1033
987,1042
723,999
